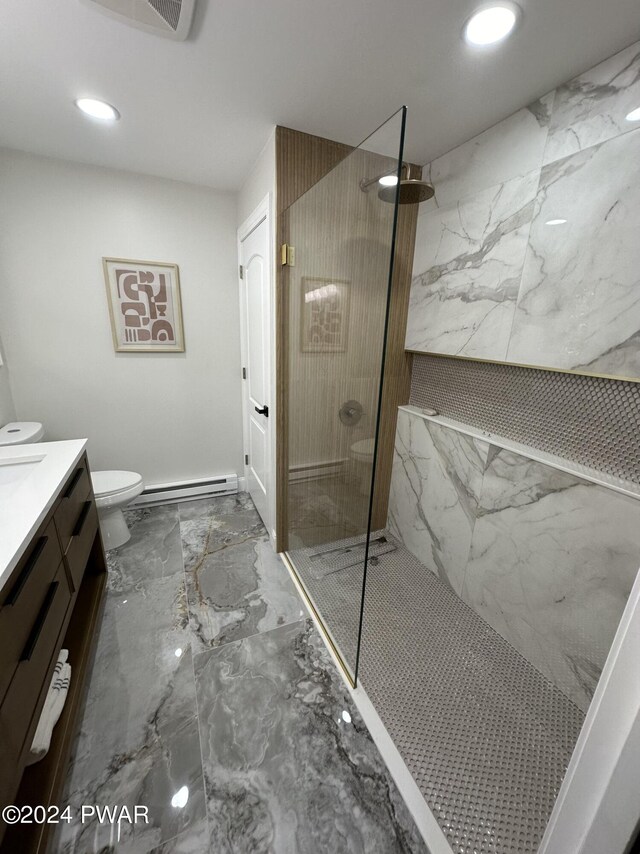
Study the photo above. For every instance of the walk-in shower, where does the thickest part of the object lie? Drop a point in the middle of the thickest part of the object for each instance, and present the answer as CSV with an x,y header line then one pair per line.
x,y
401,526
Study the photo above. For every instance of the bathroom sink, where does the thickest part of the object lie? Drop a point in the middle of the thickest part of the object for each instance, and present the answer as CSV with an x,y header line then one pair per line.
x,y
13,472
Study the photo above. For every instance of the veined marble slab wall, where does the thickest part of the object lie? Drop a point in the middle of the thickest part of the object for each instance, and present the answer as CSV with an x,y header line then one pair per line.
x,y
493,279
546,558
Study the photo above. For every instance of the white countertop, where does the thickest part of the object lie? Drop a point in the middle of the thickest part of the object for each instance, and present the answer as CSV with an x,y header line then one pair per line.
x,y
25,502
617,484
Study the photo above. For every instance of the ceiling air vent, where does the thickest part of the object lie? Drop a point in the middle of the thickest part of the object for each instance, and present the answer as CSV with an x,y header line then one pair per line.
x,y
169,18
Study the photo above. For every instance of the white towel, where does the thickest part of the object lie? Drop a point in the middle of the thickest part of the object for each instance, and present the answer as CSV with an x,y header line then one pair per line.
x,y
52,709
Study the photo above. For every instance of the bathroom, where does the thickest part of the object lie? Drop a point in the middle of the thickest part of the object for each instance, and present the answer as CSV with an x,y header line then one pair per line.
x,y
319,417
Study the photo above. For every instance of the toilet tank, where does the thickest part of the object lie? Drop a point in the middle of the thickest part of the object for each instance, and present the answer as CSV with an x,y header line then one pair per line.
x,y
21,433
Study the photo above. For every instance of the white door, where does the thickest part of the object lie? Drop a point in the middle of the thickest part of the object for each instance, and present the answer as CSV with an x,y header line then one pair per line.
x,y
255,306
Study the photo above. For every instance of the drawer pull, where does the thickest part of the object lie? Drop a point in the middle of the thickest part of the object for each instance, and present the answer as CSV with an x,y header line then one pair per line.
x,y
82,518
74,482
27,569
32,640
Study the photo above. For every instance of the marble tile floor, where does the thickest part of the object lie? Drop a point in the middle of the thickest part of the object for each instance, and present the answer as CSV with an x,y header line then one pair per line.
x,y
210,681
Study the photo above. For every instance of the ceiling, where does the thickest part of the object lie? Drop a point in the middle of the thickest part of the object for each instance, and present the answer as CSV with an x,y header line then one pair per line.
x,y
201,110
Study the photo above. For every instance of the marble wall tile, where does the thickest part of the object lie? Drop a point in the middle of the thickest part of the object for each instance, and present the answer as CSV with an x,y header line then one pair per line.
x,y
551,565
546,558
471,254
592,107
579,300
284,772
510,149
435,487
463,296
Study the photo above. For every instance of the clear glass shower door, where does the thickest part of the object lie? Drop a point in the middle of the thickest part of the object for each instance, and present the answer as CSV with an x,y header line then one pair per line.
x,y
341,236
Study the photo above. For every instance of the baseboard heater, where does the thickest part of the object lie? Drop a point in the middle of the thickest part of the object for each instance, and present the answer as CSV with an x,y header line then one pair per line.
x,y
187,490
315,471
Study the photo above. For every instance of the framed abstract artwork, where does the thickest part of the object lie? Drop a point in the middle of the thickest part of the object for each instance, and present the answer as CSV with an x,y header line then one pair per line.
x,y
144,306
324,315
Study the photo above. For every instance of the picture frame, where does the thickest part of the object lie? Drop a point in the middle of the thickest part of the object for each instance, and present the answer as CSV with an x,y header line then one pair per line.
x,y
324,315
145,306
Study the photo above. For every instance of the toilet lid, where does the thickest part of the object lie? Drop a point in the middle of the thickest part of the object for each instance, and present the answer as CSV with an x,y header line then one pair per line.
x,y
109,482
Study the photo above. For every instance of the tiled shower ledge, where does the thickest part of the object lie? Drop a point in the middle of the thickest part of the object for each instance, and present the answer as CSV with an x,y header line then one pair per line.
x,y
625,487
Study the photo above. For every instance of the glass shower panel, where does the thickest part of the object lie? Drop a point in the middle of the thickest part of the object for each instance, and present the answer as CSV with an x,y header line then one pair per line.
x,y
340,235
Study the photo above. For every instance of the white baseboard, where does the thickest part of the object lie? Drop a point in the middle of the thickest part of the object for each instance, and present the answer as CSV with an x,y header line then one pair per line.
x,y
317,470
168,493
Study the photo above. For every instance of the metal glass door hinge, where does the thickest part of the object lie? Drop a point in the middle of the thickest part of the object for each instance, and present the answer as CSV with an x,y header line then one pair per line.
x,y
287,255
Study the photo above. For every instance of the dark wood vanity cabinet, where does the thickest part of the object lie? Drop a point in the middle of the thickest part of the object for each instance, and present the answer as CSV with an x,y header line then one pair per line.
x,y
52,600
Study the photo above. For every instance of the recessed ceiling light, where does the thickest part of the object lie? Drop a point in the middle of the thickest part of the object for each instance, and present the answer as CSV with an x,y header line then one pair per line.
x,y
491,23
388,180
98,109
634,115
555,222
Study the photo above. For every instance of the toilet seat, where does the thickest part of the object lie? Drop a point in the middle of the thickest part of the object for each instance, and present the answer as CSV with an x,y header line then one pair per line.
x,y
116,487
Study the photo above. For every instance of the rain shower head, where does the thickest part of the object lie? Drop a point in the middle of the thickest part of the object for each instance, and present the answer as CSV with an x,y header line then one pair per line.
x,y
412,191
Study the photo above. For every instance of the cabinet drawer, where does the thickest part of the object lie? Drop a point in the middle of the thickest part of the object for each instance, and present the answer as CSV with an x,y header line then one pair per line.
x,y
22,598
82,539
72,498
33,670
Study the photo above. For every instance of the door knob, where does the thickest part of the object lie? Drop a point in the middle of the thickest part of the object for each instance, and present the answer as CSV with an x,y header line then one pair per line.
x,y
264,411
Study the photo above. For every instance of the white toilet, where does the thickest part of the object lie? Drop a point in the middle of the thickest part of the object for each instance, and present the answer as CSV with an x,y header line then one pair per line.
x,y
113,489
362,453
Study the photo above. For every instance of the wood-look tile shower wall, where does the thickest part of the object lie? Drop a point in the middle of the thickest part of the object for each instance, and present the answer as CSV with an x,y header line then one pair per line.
x,y
318,383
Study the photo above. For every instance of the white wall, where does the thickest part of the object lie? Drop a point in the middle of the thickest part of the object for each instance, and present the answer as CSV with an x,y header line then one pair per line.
x,y
168,416
7,409
260,181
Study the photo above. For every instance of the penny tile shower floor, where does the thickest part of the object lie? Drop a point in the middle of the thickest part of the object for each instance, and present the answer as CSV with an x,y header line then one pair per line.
x,y
213,702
